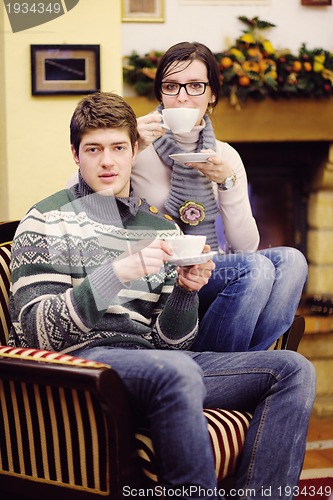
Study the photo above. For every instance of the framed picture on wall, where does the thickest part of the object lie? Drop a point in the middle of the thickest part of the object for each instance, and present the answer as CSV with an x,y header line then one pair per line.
x,y
224,2
64,69
316,2
142,11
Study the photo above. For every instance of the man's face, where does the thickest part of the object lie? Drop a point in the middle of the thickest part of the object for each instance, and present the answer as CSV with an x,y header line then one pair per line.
x,y
105,159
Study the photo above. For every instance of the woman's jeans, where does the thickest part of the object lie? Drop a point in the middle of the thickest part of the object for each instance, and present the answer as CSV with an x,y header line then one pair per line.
x,y
250,300
171,388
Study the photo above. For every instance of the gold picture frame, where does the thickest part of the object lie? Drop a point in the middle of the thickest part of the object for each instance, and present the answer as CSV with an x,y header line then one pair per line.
x,y
142,11
65,69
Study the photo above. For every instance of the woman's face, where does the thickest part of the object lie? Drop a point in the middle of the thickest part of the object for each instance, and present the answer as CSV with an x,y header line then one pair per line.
x,y
194,72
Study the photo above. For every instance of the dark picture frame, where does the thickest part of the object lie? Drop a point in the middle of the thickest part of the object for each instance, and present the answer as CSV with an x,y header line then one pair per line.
x,y
65,69
315,3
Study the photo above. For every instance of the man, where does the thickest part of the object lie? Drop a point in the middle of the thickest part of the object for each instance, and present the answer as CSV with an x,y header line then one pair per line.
x,y
90,276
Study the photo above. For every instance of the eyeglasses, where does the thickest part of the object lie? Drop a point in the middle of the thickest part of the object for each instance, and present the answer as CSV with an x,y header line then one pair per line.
x,y
192,88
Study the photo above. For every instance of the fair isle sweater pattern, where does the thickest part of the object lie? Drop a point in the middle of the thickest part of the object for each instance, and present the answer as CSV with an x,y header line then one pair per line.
x,y
65,294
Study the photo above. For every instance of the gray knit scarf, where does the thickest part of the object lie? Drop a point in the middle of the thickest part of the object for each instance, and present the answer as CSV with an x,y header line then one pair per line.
x,y
191,200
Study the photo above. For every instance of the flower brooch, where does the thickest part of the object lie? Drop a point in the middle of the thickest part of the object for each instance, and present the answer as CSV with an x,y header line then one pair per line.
x,y
192,212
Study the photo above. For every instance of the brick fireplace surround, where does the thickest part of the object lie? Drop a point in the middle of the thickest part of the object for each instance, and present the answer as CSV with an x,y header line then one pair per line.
x,y
288,144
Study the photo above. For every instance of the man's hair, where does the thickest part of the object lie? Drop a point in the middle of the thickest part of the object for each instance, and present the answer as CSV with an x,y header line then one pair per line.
x,y
102,110
188,52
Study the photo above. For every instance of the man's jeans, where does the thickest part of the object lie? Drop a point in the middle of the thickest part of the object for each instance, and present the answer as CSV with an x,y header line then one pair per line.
x,y
250,299
172,387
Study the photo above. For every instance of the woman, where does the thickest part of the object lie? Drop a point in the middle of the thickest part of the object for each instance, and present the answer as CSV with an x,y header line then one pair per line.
x,y
252,295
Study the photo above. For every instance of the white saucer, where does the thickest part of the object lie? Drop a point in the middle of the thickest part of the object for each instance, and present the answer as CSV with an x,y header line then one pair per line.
x,y
191,157
190,261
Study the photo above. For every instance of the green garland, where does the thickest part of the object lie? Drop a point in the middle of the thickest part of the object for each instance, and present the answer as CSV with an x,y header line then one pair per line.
x,y
251,68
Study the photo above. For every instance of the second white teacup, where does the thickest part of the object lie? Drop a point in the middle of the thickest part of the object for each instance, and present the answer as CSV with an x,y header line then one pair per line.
x,y
180,120
187,245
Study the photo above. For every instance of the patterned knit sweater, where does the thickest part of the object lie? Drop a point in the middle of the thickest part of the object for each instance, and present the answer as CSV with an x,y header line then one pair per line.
x,y
65,294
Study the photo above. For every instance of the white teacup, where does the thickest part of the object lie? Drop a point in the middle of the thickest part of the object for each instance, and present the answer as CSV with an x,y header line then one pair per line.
x,y
187,245
180,120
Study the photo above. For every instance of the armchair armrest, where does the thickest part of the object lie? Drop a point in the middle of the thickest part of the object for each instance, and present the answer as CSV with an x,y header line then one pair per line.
x,y
65,424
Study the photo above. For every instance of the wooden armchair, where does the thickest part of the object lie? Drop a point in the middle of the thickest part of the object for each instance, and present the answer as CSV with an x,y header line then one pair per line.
x,y
66,430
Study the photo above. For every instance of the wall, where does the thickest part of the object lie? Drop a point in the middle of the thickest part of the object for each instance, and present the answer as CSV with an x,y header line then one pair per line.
x,y
3,170
217,25
35,154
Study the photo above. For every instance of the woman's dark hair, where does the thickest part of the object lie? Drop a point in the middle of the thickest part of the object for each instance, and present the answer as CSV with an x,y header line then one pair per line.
x,y
186,51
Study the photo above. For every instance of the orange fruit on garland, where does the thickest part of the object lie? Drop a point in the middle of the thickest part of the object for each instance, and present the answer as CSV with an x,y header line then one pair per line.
x,y
297,66
251,66
226,62
244,81
254,52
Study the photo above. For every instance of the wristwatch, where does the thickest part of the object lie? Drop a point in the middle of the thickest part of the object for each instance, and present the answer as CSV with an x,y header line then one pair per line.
x,y
228,183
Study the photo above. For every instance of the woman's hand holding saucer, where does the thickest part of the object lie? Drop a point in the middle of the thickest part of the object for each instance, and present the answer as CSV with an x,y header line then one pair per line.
x,y
214,168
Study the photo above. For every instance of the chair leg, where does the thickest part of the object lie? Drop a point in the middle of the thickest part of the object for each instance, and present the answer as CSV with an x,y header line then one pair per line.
x,y
294,334
291,338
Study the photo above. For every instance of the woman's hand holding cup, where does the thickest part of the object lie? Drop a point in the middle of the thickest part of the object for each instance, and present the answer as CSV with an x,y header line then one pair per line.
x,y
149,128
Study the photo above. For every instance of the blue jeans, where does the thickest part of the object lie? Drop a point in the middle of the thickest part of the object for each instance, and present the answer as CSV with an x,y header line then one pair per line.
x,y
250,300
171,388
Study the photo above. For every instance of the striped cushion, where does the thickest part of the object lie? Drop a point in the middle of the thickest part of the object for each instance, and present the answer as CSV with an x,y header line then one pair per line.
x,y
227,429
4,292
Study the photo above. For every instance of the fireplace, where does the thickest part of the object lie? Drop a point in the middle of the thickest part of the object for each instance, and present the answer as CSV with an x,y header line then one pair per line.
x,y
291,194
281,175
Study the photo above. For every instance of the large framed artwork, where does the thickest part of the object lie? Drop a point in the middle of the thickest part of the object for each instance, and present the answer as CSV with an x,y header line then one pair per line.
x,y
142,11
65,69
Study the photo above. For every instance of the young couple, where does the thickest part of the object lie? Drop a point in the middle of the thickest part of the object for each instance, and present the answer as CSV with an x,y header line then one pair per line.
x,y
252,296
90,276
